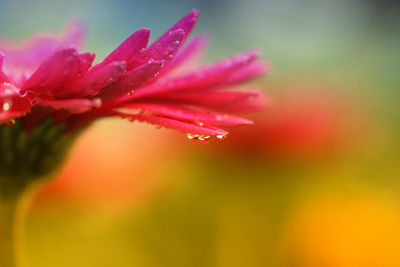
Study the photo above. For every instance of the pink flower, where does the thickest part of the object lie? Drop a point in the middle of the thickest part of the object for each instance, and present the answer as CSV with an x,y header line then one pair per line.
x,y
161,83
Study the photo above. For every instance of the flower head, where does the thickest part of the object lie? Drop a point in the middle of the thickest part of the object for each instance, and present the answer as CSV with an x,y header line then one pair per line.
x,y
47,78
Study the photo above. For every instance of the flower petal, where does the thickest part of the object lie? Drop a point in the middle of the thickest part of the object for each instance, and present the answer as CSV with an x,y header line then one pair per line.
x,y
129,48
62,66
163,50
188,114
184,127
3,77
190,53
131,80
207,77
12,105
166,47
78,105
226,101
32,53
97,79
187,24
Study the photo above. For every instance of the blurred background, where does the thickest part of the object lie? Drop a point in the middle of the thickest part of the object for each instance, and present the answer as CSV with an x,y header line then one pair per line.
x,y
315,182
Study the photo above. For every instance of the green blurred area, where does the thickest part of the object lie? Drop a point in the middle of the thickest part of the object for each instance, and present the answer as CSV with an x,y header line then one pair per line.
x,y
222,207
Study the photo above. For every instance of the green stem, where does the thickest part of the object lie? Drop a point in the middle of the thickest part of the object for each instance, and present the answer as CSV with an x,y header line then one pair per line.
x,y
12,213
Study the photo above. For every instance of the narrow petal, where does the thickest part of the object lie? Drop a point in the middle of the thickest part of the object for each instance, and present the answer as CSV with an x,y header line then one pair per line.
x,y
79,105
12,105
39,48
129,48
187,24
184,127
212,76
249,72
190,53
63,65
227,101
3,77
166,47
131,81
188,114
86,61
163,50
97,79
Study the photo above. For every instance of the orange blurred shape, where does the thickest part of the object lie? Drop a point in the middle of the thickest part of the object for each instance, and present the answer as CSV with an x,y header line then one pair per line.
x,y
303,121
343,229
113,162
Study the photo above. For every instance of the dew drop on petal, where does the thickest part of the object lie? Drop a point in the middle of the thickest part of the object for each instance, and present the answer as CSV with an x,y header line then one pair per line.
x,y
221,136
6,106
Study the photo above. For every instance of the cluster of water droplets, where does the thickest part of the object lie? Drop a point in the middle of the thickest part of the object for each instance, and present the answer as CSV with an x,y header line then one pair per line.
x,y
204,138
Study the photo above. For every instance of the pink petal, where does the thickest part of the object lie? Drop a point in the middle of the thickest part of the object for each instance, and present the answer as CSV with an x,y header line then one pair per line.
x,y
86,60
200,79
166,47
163,50
190,53
64,65
184,127
12,105
227,101
188,114
131,80
3,77
79,105
97,79
187,24
129,48
249,72
33,52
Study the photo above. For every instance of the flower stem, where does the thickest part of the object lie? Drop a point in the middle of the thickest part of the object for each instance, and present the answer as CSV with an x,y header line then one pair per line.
x,y
12,213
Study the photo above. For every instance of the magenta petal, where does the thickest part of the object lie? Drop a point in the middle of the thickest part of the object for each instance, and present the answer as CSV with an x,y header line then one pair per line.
x,y
12,105
249,72
187,24
131,80
129,48
3,77
211,76
163,50
63,65
183,113
86,60
227,101
79,105
97,79
39,48
191,52
166,47
184,127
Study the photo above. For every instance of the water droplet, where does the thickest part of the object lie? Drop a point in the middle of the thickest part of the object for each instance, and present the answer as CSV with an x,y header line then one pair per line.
x,y
173,46
204,137
6,106
190,136
221,136
97,102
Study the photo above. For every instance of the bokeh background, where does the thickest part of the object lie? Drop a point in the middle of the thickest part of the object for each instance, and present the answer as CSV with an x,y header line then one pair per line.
x,y
314,183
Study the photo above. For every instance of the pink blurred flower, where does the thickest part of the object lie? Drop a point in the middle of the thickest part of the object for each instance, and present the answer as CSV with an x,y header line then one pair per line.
x,y
48,78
